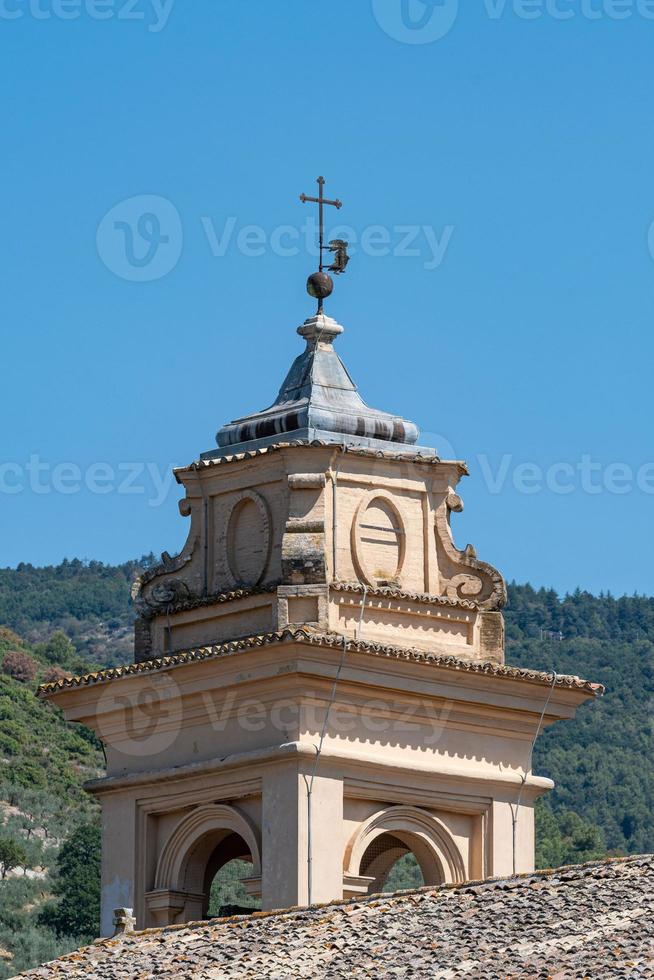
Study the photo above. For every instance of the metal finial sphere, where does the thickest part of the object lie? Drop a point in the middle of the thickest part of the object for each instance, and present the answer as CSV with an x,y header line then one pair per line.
x,y
320,285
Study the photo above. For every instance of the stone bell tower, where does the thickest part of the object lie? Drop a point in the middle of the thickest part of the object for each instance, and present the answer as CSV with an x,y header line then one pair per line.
x,y
319,682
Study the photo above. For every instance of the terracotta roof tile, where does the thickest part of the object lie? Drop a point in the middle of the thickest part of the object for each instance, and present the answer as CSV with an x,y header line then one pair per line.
x,y
314,637
407,457
390,592
590,921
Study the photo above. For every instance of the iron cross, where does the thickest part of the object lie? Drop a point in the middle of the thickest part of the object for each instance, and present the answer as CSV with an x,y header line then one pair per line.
x,y
321,201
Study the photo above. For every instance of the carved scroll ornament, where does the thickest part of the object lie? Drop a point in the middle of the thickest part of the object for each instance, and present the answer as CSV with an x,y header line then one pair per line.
x,y
464,576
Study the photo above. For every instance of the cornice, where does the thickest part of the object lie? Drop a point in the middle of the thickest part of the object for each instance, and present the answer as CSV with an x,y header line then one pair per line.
x,y
201,465
388,592
310,637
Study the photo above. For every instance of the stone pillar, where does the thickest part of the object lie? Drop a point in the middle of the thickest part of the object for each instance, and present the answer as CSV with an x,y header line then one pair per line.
x,y
279,837
327,844
167,907
502,837
285,816
118,859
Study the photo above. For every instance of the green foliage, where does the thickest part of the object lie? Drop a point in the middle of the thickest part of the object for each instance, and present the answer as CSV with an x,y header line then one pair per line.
x,y
12,855
59,651
77,886
77,611
38,750
602,761
566,838
228,895
43,763
86,602
581,614
405,873
27,943
19,665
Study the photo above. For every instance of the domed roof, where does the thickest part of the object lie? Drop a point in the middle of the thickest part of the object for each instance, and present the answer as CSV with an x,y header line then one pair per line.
x,y
318,401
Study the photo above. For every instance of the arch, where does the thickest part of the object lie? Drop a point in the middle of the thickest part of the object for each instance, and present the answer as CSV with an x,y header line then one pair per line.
x,y
248,539
404,828
189,855
378,549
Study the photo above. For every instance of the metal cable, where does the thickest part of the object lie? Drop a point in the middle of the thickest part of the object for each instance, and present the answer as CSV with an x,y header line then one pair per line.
x,y
515,808
309,782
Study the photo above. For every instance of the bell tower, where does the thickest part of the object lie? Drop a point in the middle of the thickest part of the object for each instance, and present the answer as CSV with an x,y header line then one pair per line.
x,y
319,684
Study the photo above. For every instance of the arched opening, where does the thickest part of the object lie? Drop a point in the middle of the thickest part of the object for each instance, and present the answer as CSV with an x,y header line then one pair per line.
x,y
227,878
392,864
401,847
213,845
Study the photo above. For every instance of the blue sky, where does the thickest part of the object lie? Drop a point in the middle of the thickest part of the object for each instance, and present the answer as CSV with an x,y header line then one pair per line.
x,y
498,182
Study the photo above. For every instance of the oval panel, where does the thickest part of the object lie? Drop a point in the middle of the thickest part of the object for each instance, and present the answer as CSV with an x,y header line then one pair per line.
x,y
379,541
248,540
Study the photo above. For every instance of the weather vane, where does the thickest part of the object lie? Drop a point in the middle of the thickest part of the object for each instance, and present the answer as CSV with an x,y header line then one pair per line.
x,y
320,285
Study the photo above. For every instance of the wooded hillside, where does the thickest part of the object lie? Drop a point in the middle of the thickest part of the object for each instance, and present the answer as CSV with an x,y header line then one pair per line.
x,y
78,614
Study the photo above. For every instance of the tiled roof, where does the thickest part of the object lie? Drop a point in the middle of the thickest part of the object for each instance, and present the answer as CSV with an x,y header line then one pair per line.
x,y
198,602
593,921
318,396
384,592
390,592
318,638
408,457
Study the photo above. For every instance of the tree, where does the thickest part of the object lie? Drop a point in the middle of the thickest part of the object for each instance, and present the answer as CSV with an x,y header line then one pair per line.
x,y
77,886
58,650
20,666
53,674
228,895
12,855
9,637
566,838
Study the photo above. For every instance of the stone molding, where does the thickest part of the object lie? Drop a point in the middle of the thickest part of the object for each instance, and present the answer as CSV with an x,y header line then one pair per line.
x,y
318,638
469,578
258,759
217,598
424,833
390,592
407,457
199,822
361,562
231,528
